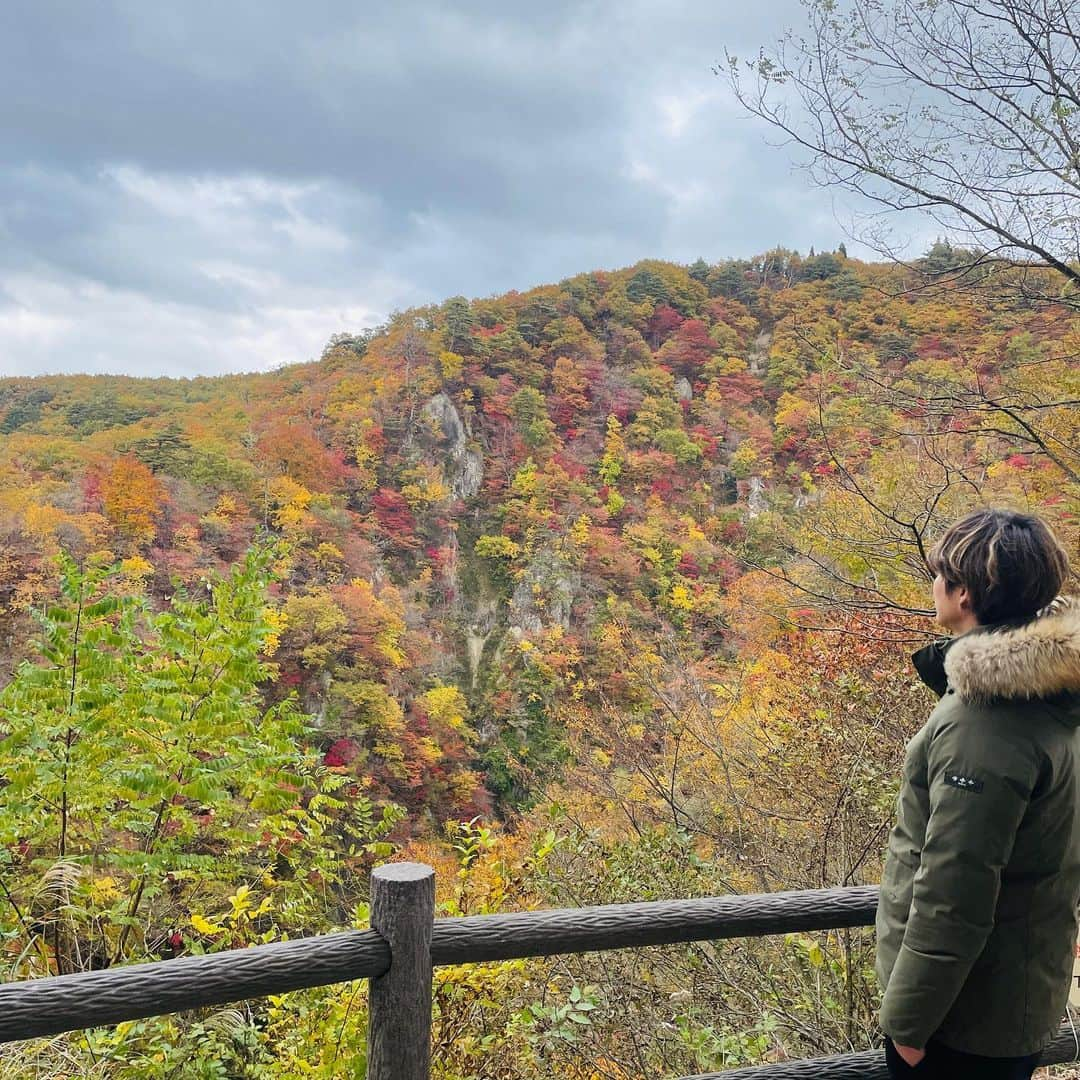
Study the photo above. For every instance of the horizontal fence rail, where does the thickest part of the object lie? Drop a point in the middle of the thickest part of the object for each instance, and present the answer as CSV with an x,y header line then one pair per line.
x,y
38,1007
556,931
405,942
870,1064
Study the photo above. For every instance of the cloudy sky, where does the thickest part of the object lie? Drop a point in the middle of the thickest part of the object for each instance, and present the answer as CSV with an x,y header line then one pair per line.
x,y
195,188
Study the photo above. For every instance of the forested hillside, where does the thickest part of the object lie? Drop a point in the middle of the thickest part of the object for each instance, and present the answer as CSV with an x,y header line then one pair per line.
x,y
601,591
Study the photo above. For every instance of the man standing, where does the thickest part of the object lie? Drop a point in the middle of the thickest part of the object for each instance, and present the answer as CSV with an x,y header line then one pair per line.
x,y
977,916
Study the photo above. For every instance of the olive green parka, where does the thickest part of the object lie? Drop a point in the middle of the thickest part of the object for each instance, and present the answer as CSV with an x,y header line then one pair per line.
x,y
977,913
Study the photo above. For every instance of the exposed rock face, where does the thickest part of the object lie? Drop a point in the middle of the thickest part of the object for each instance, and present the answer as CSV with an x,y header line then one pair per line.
x,y
545,594
468,478
758,351
445,421
449,438
683,390
755,499
477,632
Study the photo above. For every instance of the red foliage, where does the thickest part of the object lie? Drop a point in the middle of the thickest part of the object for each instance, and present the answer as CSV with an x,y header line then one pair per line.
x,y
739,389
932,347
575,470
375,440
393,514
662,486
662,323
91,486
623,402
341,753
725,570
496,403
688,566
732,530
689,348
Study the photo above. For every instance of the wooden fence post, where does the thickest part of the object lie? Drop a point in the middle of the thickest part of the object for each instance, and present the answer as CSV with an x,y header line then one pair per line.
x,y
399,1018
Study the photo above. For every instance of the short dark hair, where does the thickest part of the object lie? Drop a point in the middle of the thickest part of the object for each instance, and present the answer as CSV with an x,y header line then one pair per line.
x,y
1011,564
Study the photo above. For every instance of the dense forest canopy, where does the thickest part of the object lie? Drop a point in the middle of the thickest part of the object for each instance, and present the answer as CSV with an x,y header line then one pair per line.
x,y
558,590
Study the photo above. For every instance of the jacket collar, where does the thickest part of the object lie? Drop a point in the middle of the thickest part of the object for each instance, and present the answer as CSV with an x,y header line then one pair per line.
x,y
1036,659
929,662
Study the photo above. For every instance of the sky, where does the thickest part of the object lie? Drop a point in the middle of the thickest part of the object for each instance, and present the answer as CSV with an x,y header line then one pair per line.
x,y
199,188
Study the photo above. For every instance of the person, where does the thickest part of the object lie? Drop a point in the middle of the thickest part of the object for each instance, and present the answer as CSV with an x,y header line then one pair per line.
x,y
977,911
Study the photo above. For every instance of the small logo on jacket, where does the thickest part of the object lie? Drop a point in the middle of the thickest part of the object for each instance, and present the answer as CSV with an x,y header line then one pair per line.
x,y
964,783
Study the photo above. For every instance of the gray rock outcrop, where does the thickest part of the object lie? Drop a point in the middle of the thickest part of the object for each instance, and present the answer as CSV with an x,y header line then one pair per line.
x,y
448,437
545,594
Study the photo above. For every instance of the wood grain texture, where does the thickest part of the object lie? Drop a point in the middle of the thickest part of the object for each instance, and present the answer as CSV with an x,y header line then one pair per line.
x,y
89,999
399,1017
866,1065
49,1006
480,938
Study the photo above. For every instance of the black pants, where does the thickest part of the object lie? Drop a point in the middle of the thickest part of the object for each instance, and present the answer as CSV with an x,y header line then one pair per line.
x,y
943,1062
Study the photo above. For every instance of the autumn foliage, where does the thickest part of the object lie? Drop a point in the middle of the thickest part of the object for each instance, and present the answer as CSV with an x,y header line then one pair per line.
x,y
596,592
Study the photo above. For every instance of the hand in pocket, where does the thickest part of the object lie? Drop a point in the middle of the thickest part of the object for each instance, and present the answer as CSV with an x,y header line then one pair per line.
x,y
898,1066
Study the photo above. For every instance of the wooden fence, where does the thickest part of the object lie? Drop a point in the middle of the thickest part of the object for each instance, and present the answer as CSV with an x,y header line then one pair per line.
x,y
406,941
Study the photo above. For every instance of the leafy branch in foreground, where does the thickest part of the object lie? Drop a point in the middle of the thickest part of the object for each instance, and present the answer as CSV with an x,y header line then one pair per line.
x,y
153,805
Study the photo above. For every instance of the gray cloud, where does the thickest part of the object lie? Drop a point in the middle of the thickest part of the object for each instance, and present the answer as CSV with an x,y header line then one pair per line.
x,y
207,187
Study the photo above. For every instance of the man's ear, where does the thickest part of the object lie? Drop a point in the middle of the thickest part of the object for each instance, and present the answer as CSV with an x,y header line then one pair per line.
x,y
964,599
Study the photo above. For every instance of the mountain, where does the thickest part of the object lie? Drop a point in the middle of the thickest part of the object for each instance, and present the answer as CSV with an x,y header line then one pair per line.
x,y
476,493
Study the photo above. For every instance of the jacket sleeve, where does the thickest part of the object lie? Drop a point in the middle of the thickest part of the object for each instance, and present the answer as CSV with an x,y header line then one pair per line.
x,y
980,782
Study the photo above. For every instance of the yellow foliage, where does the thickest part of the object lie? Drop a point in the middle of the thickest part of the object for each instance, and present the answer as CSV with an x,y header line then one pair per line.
x,y
41,520
226,507
693,530
446,705
680,598
525,479
291,501
581,530
278,620
328,555
429,493
136,569
496,547
103,890
186,538
204,926
382,614
745,461
451,365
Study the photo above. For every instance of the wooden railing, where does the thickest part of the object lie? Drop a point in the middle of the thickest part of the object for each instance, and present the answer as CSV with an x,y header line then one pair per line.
x,y
406,941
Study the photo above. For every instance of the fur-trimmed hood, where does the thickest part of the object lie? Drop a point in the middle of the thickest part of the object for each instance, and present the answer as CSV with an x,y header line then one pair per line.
x,y
1038,659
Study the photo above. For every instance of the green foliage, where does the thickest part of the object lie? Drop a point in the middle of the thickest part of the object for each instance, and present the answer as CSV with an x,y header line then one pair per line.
x,y
457,328
145,779
845,286
714,1049
646,285
676,441
23,407
529,409
102,411
167,452
162,807
550,1027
